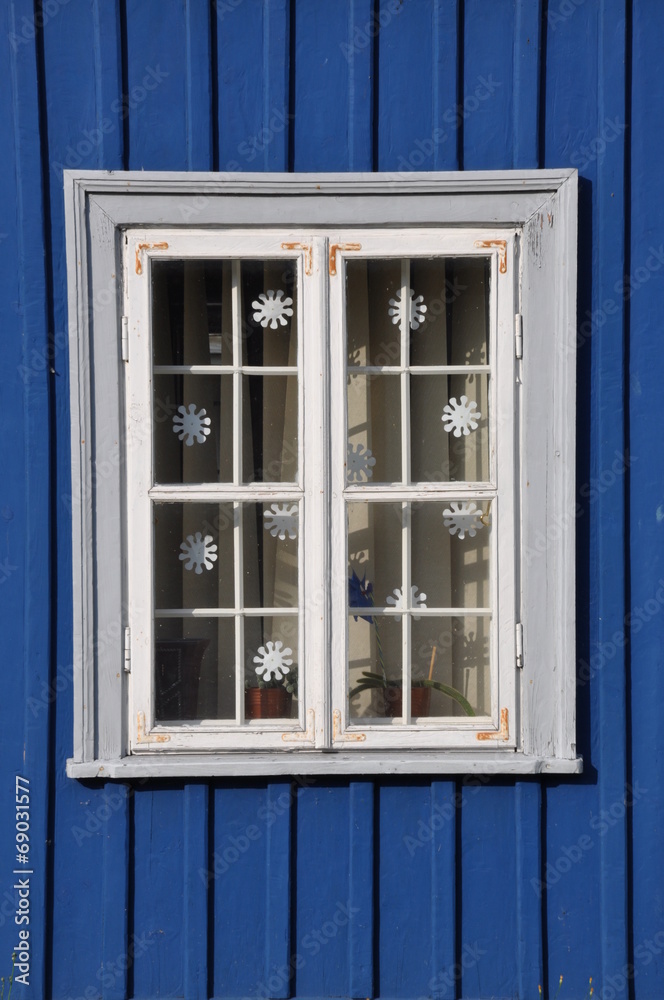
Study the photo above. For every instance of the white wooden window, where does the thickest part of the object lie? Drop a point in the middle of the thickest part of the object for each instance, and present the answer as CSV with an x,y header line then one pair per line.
x,y
325,544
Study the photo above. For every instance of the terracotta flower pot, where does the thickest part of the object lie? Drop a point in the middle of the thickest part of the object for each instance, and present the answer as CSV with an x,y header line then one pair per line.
x,y
420,701
267,703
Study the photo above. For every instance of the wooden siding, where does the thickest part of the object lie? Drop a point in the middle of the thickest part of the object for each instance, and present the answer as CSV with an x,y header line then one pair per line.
x,y
396,887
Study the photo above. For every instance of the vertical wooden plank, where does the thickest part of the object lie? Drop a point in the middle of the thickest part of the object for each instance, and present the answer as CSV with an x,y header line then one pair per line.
x,y
404,891
237,876
198,85
159,898
278,883
169,99
115,892
643,289
488,931
445,41
82,77
253,79
528,840
361,889
417,113
195,892
25,549
585,106
526,86
487,109
445,803
333,66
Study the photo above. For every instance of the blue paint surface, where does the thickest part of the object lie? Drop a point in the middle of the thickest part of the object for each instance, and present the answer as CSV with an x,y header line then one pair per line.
x,y
391,888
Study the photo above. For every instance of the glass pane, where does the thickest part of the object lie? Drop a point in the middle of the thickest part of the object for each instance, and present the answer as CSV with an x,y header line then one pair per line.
x,y
454,328
271,666
193,428
449,428
269,428
194,668
269,313
373,338
270,545
374,429
460,662
374,553
450,552
374,660
191,312
193,555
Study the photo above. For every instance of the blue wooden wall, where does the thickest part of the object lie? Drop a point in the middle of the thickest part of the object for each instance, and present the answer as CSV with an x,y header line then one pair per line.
x,y
371,888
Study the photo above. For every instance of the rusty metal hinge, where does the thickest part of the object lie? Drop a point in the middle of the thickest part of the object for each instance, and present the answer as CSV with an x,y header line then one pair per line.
x,y
308,254
501,734
338,736
307,736
334,247
502,251
147,246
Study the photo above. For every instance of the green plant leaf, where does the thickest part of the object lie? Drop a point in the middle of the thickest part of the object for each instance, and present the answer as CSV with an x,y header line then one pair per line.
x,y
451,693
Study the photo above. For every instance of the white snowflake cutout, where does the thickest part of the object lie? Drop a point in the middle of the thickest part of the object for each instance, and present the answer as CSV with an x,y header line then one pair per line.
x,y
359,463
272,308
399,603
273,659
198,552
281,520
190,425
463,517
415,311
461,417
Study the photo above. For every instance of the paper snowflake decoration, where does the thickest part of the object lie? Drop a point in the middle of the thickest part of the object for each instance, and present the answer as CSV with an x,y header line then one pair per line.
x,y
463,517
191,426
272,309
273,659
399,603
198,552
461,417
281,520
359,463
415,309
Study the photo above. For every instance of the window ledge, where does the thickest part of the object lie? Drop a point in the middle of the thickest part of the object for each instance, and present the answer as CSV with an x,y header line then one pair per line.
x,y
317,762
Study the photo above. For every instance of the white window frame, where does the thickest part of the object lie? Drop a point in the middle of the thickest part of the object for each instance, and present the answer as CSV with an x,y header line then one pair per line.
x,y
526,222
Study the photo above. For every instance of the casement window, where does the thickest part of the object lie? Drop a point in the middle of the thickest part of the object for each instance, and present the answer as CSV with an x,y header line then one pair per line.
x,y
323,452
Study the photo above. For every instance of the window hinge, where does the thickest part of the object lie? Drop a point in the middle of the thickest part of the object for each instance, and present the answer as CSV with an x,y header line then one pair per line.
x,y
518,335
519,645
125,338
127,650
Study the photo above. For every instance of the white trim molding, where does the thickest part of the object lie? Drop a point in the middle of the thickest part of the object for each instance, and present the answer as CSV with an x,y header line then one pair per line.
x,y
525,224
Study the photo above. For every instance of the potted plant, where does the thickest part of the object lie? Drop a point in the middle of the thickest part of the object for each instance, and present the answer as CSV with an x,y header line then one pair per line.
x,y
361,595
269,694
